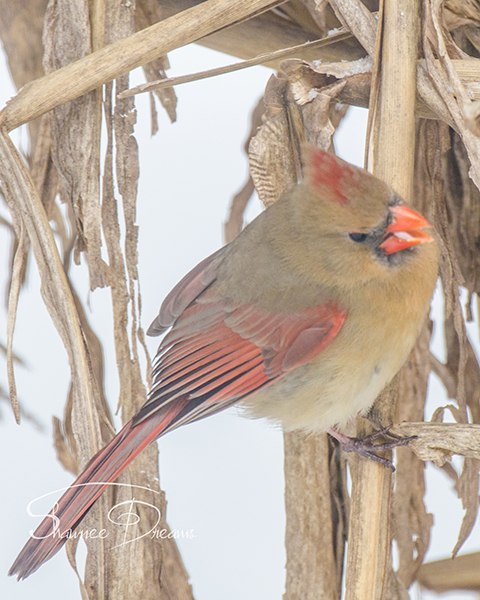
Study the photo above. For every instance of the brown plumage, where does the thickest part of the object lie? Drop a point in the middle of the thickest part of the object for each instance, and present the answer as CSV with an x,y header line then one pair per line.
x,y
304,318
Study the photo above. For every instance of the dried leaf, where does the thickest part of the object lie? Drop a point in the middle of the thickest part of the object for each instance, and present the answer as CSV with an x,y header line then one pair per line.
x,y
411,522
461,12
447,82
447,575
153,116
62,448
21,29
12,314
75,130
71,550
467,489
307,79
471,113
234,223
148,12
462,198
21,195
316,117
359,20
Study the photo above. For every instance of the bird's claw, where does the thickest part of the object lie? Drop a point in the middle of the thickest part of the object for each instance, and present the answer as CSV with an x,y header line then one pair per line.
x,y
367,448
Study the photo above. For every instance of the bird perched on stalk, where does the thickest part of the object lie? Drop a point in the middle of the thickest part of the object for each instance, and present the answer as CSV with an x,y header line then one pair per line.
x,y
304,318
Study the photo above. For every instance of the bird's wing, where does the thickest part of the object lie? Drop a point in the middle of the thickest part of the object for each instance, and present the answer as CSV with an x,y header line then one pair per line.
x,y
218,352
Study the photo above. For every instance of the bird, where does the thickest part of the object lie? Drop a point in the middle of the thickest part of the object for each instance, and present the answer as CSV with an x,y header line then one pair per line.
x,y
303,319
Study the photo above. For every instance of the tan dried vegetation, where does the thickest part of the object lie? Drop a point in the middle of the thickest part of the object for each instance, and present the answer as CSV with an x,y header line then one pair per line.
x,y
416,66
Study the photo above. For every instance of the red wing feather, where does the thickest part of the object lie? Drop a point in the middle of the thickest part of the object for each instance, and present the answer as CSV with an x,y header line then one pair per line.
x,y
216,353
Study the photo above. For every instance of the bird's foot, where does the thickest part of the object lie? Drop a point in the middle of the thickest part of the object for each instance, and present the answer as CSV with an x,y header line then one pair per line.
x,y
367,448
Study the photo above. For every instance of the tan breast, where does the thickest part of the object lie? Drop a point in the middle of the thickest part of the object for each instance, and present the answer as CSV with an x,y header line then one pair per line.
x,y
379,332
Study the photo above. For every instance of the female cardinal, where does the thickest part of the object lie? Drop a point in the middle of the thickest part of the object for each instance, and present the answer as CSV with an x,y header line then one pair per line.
x,y
304,317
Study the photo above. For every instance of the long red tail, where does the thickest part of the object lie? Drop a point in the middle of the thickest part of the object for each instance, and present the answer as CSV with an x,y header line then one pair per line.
x,y
104,467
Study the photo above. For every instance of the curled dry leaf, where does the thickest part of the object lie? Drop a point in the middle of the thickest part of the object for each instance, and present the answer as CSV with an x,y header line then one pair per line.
x,y
308,78
316,116
273,166
275,162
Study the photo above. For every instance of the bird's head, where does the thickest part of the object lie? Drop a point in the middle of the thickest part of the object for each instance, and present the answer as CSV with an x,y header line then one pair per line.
x,y
356,228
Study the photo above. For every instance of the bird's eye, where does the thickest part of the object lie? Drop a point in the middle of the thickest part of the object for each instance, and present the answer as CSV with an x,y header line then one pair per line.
x,y
358,237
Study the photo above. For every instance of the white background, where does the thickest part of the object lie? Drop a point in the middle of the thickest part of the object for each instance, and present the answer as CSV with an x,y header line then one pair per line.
x,y
223,476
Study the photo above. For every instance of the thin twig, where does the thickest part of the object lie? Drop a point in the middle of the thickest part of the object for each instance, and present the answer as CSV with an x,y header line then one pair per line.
x,y
340,35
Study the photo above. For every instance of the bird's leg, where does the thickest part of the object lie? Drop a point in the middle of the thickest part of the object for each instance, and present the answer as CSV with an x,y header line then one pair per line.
x,y
365,446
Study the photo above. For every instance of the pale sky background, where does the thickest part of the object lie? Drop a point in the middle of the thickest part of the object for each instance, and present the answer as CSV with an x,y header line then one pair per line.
x,y
223,476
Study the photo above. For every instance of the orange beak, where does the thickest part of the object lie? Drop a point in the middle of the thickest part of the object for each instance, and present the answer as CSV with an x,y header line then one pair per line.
x,y
405,230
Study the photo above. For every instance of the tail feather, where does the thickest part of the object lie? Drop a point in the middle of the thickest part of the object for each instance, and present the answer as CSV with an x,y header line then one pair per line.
x,y
102,469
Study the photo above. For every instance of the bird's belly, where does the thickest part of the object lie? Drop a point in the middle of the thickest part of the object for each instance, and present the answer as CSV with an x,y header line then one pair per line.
x,y
300,401
332,390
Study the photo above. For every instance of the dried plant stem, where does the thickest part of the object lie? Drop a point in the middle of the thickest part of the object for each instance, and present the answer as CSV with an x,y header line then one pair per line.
x,y
262,59
437,442
467,70
359,20
19,190
394,131
126,54
309,535
368,536
368,561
